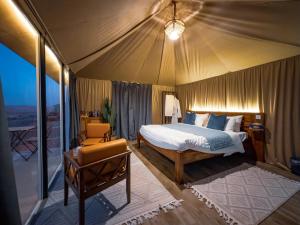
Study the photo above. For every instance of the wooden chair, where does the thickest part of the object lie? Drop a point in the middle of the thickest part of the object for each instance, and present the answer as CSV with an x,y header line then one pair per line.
x,y
96,133
96,168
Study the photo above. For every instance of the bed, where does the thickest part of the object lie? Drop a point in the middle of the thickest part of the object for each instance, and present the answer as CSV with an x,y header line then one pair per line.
x,y
182,143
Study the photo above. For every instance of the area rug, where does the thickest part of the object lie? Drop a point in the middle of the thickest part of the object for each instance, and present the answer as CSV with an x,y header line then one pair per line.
x,y
148,199
245,194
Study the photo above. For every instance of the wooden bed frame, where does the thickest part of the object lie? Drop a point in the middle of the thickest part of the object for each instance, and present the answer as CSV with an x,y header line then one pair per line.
x,y
181,158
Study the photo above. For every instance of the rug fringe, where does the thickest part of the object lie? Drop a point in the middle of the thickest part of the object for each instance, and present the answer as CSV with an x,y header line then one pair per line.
x,y
210,204
139,219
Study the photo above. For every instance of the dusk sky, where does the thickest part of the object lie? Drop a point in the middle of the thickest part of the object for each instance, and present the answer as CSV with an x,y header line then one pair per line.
x,y
19,80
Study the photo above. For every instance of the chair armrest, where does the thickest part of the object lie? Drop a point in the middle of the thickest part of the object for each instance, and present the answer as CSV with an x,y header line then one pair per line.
x,y
107,135
70,160
124,154
96,152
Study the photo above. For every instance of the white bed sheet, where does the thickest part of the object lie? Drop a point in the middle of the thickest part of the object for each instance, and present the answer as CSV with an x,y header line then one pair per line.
x,y
172,139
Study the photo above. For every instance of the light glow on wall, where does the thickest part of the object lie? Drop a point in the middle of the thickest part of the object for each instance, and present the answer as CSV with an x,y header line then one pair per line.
x,y
53,65
66,75
253,109
21,17
51,55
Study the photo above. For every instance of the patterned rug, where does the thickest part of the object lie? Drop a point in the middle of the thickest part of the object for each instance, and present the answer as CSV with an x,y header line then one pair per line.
x,y
245,194
148,199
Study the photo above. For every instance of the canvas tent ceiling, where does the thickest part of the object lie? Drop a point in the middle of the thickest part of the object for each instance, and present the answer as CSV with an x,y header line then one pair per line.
x,y
125,40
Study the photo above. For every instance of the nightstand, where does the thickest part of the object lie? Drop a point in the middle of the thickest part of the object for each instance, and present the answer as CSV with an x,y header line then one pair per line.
x,y
258,142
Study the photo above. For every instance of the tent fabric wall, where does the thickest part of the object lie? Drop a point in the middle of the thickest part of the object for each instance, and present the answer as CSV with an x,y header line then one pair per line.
x,y
272,88
91,93
157,102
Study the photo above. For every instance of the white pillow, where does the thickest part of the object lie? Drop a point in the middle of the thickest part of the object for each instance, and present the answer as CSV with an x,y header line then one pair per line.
x,y
201,120
233,123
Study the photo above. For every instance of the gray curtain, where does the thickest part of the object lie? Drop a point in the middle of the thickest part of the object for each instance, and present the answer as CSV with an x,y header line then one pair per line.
x,y
9,206
74,112
132,104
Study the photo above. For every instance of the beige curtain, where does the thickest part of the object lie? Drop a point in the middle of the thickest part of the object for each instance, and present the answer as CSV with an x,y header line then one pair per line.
x,y
157,102
91,93
272,88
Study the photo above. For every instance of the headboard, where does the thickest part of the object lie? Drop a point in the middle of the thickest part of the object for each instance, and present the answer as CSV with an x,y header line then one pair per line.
x,y
248,117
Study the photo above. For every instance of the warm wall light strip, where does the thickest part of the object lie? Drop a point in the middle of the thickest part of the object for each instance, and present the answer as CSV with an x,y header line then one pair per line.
x,y
22,18
51,55
66,75
227,109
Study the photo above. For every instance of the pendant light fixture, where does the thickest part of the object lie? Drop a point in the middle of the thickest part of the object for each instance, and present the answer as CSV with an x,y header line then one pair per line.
x,y
174,28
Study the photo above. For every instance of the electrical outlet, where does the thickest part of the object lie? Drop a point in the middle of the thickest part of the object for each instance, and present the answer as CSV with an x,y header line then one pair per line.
x,y
258,117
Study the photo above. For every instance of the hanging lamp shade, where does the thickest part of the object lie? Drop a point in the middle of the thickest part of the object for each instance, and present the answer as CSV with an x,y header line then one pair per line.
x,y
174,29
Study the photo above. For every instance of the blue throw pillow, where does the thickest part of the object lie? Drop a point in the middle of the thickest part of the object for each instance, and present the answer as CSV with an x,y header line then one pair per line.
x,y
217,122
190,118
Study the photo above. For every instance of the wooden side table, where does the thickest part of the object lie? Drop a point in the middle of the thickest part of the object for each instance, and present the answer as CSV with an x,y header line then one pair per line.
x,y
258,143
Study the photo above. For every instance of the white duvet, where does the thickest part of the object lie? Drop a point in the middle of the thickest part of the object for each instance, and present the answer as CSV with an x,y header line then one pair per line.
x,y
176,139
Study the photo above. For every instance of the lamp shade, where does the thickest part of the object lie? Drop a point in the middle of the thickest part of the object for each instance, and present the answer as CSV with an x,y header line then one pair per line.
x,y
174,29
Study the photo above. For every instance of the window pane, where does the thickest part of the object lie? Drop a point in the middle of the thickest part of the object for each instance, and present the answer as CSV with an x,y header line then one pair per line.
x,y
67,109
19,88
54,151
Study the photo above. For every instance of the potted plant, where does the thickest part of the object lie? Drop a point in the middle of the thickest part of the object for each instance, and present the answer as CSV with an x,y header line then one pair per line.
x,y
108,116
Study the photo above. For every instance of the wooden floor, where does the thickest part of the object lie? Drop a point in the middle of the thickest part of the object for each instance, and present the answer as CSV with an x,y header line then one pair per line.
x,y
194,211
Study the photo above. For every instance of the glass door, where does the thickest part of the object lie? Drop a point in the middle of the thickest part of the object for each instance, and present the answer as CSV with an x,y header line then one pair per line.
x,y
18,77
54,145
18,74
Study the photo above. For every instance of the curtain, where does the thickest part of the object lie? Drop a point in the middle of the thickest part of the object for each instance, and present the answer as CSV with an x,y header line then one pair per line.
x,y
272,88
74,111
132,104
157,102
91,93
9,206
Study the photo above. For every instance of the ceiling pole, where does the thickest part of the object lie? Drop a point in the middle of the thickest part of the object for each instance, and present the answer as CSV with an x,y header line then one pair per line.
x,y
174,13
161,57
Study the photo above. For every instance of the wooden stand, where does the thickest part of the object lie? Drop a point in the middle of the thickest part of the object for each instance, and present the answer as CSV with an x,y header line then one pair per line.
x,y
166,119
258,142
